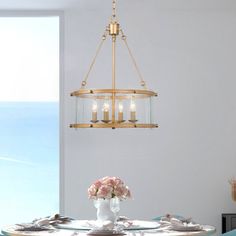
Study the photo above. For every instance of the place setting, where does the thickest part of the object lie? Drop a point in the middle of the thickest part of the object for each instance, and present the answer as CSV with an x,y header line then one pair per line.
x,y
37,226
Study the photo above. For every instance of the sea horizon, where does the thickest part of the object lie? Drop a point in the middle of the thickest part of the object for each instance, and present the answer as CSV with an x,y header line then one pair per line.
x,y
29,160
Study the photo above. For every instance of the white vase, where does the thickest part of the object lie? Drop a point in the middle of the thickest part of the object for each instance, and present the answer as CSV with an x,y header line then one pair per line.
x,y
107,209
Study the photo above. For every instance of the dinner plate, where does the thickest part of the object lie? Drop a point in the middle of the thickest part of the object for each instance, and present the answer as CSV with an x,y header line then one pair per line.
x,y
127,224
140,224
77,224
187,228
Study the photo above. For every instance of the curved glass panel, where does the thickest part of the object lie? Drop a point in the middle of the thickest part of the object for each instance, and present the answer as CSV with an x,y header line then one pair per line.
x,y
120,109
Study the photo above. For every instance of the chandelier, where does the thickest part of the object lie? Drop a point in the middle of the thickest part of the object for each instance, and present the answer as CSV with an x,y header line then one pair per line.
x,y
113,107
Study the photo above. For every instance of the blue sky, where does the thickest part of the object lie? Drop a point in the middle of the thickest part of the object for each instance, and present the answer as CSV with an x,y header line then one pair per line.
x,y
29,58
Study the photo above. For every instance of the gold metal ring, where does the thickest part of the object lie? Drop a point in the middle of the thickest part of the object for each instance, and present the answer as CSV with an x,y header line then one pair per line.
x,y
114,125
135,92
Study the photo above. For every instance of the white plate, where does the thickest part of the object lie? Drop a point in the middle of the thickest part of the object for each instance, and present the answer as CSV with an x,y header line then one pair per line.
x,y
187,228
77,224
128,224
142,224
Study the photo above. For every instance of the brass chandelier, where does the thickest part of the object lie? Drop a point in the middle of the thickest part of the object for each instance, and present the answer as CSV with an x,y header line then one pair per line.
x,y
114,108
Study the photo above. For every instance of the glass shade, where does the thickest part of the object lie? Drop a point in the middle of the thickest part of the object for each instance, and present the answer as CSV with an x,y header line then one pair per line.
x,y
119,108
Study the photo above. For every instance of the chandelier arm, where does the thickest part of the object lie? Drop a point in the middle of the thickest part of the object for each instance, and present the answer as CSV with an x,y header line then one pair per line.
x,y
84,82
142,82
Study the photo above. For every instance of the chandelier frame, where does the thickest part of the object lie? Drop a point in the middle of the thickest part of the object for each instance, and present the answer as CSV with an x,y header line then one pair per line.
x,y
114,95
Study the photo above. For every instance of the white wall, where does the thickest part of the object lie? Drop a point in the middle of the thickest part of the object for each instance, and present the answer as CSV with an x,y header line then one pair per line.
x,y
187,52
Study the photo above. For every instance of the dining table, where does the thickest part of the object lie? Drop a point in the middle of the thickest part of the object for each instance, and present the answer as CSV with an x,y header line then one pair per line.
x,y
13,230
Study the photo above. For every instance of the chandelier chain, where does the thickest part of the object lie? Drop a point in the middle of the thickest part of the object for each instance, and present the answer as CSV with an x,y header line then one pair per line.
x,y
114,9
124,38
104,36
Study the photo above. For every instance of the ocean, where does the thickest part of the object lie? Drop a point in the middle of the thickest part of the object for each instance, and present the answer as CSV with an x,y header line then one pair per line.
x,y
29,161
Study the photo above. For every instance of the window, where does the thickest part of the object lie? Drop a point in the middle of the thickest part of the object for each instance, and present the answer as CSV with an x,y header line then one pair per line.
x,y
29,118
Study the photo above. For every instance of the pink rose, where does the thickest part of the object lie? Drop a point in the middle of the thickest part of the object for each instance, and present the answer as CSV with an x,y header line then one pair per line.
x,y
97,184
104,178
118,181
92,191
119,191
108,181
104,192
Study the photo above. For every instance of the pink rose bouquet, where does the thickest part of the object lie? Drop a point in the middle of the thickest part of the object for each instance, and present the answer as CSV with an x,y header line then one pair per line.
x,y
109,187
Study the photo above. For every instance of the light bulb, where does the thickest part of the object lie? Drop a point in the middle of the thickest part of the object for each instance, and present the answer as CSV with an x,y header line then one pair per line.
x,y
95,107
106,106
132,111
120,107
132,106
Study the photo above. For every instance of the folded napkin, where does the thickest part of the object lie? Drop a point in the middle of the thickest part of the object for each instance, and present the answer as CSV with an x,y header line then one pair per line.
x,y
43,223
182,224
122,222
105,228
52,220
168,217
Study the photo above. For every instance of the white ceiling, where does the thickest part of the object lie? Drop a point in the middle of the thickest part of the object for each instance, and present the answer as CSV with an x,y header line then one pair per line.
x,y
64,4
